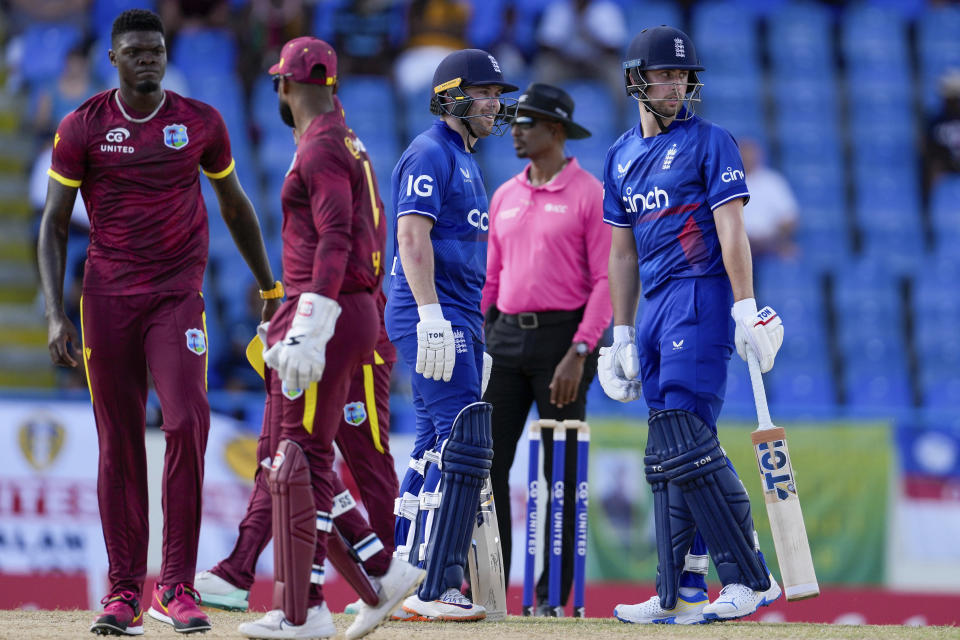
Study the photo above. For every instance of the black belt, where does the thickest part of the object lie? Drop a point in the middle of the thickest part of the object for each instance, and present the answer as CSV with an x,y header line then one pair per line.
x,y
537,319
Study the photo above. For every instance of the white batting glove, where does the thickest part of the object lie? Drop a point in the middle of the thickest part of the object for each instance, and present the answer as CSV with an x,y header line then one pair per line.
x,y
761,331
614,383
623,352
436,353
485,376
301,356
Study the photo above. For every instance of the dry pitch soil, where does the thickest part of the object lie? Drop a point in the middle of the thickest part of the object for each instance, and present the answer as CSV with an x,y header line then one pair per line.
x,y
64,625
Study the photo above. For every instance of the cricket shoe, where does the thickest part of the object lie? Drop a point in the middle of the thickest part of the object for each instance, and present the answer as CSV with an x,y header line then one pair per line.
x,y
688,610
353,608
739,600
177,606
451,606
319,624
218,593
400,580
122,616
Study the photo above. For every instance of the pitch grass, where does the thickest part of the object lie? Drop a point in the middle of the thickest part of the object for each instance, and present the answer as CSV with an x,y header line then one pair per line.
x,y
62,625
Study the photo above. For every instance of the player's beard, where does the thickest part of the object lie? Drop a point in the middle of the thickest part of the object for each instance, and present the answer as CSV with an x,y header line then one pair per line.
x,y
146,86
286,114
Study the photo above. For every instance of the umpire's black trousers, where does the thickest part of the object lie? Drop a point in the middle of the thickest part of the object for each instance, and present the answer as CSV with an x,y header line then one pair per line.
x,y
526,348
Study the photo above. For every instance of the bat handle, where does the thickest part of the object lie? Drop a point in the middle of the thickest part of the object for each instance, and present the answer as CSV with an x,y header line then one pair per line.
x,y
759,394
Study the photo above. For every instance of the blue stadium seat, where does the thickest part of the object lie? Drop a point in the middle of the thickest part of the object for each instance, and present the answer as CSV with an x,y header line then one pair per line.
x,y
799,39
826,249
361,96
594,108
486,22
815,146
901,244
945,205
938,48
641,15
804,98
46,45
940,388
875,392
106,11
802,387
867,293
874,39
205,52
819,188
500,163
725,35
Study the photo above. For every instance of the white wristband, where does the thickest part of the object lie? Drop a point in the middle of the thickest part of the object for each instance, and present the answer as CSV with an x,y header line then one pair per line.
x,y
430,311
624,333
746,308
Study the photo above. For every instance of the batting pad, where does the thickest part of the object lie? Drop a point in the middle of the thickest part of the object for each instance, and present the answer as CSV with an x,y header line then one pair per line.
x,y
465,463
294,530
674,525
688,456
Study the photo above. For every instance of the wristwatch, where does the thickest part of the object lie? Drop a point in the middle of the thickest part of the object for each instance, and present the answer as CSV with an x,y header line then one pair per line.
x,y
583,349
274,293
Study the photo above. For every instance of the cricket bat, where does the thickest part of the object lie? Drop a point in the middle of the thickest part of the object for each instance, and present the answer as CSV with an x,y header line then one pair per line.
x,y
780,495
485,559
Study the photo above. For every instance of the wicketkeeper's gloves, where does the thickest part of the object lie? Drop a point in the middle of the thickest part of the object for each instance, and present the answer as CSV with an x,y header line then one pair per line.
x,y
300,357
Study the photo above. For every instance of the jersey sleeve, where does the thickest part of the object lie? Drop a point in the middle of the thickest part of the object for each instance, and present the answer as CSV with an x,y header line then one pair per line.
x,y
723,172
326,175
613,210
217,159
68,162
421,175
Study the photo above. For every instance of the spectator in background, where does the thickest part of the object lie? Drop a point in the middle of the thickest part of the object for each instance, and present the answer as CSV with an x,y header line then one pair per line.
x,y
942,145
581,39
770,216
366,32
437,28
72,88
194,14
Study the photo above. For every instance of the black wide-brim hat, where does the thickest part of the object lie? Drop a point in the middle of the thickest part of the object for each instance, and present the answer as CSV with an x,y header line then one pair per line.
x,y
554,103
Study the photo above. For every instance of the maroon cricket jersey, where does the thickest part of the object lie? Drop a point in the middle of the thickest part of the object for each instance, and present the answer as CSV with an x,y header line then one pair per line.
x,y
334,230
140,182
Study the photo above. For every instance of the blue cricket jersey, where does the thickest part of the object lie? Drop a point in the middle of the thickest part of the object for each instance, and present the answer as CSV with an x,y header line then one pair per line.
x,y
437,178
665,188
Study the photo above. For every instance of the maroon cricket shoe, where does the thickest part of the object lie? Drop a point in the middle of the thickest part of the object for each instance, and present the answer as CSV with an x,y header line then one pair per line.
x,y
177,606
122,615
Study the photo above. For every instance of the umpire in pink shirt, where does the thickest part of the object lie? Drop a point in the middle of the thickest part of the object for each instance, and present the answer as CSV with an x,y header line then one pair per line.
x,y
546,300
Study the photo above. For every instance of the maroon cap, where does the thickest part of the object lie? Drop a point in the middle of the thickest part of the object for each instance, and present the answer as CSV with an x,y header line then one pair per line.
x,y
299,56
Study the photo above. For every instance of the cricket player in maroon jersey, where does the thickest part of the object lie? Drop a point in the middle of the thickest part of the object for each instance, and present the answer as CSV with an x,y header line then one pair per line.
x,y
363,440
134,154
333,239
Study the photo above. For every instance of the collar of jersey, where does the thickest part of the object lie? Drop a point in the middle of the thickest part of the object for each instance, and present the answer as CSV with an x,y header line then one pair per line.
x,y
446,133
324,120
558,182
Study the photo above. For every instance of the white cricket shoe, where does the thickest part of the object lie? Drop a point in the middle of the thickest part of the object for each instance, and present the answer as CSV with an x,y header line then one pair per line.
x,y
451,606
319,624
688,610
739,600
354,607
218,593
400,580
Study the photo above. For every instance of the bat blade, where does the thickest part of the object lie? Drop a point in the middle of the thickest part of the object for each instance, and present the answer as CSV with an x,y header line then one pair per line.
x,y
786,517
485,559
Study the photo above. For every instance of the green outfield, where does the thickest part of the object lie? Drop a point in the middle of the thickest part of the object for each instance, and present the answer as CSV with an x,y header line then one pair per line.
x,y
62,625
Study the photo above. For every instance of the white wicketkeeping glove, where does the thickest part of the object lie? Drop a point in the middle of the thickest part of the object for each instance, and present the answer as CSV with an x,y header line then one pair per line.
x,y
300,357
761,330
436,353
623,352
485,376
614,383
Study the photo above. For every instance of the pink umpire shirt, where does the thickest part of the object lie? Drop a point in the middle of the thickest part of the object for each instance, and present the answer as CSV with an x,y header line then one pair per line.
x,y
548,249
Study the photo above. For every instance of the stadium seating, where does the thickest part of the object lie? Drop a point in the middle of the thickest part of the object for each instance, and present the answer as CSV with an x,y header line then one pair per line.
x,y
47,45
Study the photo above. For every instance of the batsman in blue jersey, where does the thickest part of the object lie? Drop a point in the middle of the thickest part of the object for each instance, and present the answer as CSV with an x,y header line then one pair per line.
x,y
674,192
433,317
